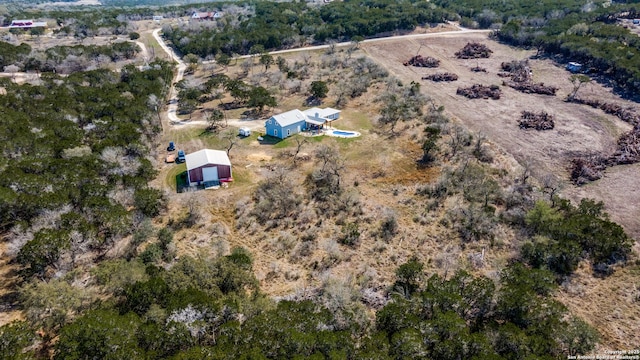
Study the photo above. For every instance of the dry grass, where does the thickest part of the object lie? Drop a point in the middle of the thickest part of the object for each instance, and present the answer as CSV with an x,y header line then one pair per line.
x,y
380,171
580,129
385,177
8,281
612,305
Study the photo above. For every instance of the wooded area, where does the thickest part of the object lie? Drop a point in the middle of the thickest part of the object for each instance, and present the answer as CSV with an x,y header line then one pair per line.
x,y
281,25
77,161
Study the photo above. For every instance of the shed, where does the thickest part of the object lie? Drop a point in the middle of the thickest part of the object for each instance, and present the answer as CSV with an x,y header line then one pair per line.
x,y
286,124
208,167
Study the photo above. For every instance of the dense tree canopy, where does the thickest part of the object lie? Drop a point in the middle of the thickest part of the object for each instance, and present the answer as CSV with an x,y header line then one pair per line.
x,y
277,25
68,147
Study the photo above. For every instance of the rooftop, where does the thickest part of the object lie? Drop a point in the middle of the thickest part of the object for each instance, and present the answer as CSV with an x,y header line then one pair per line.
x,y
289,117
206,157
323,113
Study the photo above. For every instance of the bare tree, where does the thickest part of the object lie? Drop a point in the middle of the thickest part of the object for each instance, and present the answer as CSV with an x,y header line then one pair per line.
x,y
231,138
306,58
246,66
458,137
154,103
332,47
577,80
527,165
299,143
551,185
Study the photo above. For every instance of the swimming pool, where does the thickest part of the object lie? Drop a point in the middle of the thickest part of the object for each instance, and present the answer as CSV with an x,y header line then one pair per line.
x,y
343,133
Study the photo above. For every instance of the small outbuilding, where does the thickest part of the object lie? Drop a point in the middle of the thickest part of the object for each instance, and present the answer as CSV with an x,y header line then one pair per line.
x,y
208,167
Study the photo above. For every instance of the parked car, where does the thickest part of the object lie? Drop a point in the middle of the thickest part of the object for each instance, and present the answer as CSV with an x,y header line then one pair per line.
x,y
171,146
574,67
244,132
181,157
170,158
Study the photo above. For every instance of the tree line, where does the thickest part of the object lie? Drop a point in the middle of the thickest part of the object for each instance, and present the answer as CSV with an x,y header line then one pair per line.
x,y
276,25
75,163
213,309
63,59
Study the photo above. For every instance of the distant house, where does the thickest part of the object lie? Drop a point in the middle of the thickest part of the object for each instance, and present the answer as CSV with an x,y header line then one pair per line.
x,y
294,121
206,15
158,17
208,167
27,24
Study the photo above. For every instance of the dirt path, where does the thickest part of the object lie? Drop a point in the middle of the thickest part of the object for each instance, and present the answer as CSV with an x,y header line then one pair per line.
x,y
145,52
173,93
376,40
20,77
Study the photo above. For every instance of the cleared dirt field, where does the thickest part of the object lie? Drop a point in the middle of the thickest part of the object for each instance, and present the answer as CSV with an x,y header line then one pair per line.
x,y
579,129
609,304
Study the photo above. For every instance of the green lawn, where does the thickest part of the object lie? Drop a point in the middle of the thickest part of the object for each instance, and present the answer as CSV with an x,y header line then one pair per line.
x,y
176,177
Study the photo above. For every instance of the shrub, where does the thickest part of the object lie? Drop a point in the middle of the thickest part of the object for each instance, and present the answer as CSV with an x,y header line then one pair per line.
x,y
350,234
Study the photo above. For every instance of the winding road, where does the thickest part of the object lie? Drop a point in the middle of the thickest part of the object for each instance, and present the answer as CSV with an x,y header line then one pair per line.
x,y
258,124
173,93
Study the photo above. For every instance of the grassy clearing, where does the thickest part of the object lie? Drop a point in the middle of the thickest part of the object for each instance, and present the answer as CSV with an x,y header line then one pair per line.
x,y
173,174
355,120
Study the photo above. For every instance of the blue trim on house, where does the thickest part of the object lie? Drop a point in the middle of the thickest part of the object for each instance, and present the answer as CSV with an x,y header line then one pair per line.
x,y
274,129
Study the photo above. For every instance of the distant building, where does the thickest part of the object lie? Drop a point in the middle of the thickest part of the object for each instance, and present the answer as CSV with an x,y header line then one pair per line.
x,y
158,17
208,167
26,24
574,67
294,121
206,15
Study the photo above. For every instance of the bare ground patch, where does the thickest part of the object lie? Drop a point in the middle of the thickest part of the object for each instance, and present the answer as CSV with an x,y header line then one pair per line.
x,y
611,305
578,129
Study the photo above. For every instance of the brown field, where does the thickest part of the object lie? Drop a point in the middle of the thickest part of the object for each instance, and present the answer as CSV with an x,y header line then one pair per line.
x,y
608,304
381,172
579,129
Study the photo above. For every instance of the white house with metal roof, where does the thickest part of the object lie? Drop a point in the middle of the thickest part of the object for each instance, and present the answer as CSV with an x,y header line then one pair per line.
x,y
208,167
294,121
206,15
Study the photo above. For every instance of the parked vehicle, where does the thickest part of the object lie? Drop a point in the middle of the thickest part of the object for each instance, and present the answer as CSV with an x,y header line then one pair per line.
x,y
181,157
574,67
244,132
171,146
170,158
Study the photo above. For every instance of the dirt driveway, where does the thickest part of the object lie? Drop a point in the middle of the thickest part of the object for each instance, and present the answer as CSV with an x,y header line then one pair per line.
x,y
579,129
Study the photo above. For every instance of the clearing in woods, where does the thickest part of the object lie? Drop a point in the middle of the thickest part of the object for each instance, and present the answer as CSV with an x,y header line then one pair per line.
x,y
579,129
609,304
